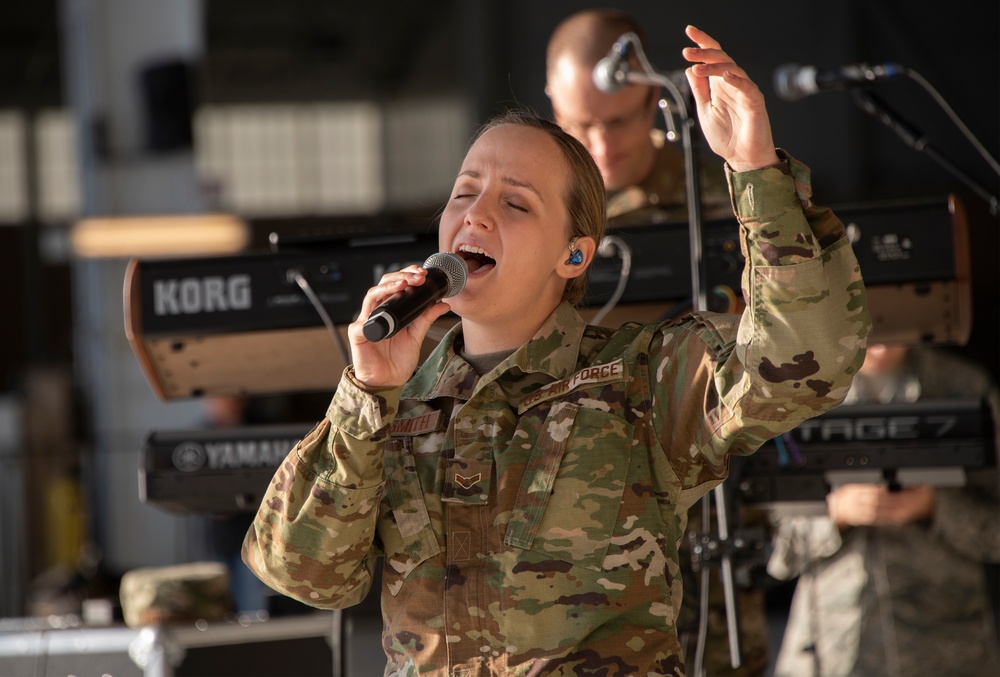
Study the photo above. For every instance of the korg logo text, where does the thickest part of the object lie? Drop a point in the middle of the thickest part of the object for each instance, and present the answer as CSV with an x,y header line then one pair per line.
x,y
192,295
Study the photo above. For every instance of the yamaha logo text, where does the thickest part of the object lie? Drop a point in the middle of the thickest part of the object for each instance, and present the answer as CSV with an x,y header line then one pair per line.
x,y
193,456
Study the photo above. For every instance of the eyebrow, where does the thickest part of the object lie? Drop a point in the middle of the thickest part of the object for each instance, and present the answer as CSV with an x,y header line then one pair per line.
x,y
506,179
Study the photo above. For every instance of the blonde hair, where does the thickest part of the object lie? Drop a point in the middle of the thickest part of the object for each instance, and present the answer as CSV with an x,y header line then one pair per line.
x,y
585,198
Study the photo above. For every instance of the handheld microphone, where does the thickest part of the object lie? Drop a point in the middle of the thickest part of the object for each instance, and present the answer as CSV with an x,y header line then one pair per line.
x,y
446,276
793,82
611,72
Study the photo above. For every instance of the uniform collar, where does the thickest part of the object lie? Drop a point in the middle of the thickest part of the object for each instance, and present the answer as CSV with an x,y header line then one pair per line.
x,y
553,351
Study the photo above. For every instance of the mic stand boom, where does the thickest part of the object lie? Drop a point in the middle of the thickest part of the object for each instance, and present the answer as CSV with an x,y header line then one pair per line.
x,y
874,106
699,298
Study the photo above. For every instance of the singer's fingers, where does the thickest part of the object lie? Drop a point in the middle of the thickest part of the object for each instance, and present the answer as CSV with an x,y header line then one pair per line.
x,y
708,60
391,284
422,324
700,37
414,275
718,69
708,57
410,273
712,62
380,363
391,361
384,290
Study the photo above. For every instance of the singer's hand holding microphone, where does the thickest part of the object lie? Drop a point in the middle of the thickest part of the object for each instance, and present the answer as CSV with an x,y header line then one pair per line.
x,y
396,315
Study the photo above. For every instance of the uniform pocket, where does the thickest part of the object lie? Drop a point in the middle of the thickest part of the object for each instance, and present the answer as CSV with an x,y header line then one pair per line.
x,y
404,525
568,502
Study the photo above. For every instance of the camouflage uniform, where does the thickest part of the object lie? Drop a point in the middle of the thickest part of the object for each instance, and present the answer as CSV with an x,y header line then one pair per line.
x,y
530,518
899,601
662,196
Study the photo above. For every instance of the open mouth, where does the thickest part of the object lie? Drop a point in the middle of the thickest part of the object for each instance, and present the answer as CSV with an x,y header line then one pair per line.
x,y
476,258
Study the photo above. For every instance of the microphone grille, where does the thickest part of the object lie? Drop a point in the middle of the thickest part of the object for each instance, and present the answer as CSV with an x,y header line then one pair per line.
x,y
605,75
793,82
451,265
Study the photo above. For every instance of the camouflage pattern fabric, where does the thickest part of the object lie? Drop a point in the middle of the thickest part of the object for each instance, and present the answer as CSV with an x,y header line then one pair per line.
x,y
660,198
663,195
530,518
180,593
898,601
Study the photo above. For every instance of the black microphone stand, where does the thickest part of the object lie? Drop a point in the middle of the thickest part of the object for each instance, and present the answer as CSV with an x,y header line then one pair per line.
x,y
917,140
699,300
650,76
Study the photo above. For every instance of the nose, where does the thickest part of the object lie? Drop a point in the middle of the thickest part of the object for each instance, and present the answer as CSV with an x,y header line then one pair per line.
x,y
598,141
479,213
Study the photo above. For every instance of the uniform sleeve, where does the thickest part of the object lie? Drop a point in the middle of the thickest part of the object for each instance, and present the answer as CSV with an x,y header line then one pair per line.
x,y
794,350
313,538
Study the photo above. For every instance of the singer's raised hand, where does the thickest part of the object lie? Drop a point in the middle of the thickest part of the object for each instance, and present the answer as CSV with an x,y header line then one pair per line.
x,y
391,362
730,106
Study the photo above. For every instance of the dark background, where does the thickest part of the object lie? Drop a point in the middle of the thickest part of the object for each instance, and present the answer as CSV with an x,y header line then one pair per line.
x,y
493,52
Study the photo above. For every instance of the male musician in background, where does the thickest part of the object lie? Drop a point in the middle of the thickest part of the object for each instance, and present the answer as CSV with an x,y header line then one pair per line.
x,y
894,582
643,172
644,175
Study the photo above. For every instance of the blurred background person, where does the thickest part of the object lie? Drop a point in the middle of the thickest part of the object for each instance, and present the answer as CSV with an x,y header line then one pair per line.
x,y
894,582
643,172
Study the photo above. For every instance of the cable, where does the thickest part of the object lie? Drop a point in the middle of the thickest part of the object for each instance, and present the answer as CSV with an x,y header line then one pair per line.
x,y
794,452
699,652
779,444
872,104
922,81
604,250
318,305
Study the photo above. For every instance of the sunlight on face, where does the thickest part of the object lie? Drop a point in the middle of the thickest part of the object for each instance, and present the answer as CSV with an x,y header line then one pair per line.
x,y
507,217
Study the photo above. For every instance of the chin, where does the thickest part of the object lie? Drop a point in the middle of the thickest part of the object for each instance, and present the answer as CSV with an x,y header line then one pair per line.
x,y
463,310
475,312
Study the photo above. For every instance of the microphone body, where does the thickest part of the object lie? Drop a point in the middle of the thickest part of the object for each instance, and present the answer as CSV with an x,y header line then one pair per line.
x,y
446,276
793,82
611,72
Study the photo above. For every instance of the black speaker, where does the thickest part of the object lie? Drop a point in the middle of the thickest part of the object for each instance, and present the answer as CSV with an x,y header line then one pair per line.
x,y
169,97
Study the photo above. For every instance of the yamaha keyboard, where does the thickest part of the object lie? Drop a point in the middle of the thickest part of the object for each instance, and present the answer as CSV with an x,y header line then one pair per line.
x,y
241,325
213,471
225,471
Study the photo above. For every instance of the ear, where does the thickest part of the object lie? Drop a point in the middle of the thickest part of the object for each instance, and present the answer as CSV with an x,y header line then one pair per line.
x,y
587,247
